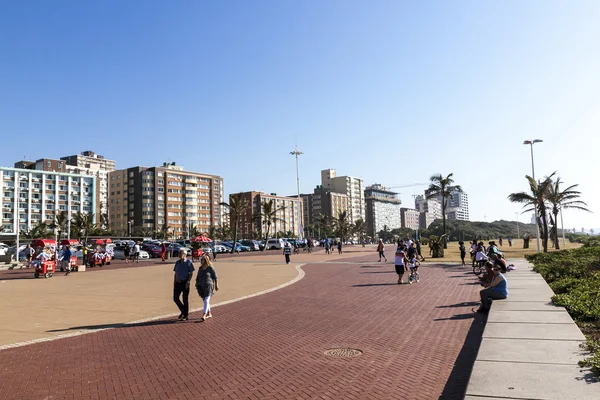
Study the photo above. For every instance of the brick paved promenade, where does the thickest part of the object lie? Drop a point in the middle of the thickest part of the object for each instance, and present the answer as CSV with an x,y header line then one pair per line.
x,y
272,346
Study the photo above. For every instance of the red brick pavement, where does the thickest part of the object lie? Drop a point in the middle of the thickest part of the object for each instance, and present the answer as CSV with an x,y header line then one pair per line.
x,y
272,346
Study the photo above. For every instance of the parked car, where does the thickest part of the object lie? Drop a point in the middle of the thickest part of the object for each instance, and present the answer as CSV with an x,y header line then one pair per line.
x,y
253,244
119,255
3,249
154,251
275,244
175,247
219,248
238,247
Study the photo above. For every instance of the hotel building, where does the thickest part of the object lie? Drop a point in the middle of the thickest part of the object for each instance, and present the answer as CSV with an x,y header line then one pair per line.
x,y
287,211
30,196
150,199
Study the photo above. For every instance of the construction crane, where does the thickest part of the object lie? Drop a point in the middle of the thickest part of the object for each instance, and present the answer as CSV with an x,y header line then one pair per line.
x,y
410,185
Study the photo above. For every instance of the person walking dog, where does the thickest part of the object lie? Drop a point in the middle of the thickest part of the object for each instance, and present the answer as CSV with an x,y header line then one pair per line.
x,y
184,269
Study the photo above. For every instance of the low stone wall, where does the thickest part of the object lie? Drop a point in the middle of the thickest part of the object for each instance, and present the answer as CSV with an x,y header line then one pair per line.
x,y
530,348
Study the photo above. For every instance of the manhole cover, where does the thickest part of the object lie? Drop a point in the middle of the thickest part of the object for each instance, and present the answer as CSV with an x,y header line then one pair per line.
x,y
343,353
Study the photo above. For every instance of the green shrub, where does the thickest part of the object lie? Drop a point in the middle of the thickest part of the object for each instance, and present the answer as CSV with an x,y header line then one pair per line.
x,y
574,275
593,361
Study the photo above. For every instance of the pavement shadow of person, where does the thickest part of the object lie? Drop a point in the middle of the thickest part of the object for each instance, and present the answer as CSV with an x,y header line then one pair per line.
x,y
456,385
463,304
458,316
117,325
374,284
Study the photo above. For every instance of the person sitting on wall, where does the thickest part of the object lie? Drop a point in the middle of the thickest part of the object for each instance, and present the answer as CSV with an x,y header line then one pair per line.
x,y
497,289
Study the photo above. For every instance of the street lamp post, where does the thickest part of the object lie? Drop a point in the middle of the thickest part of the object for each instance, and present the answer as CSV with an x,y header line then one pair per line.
x,y
537,223
297,153
517,215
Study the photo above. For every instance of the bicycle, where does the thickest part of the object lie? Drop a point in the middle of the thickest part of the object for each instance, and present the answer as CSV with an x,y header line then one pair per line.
x,y
414,276
479,267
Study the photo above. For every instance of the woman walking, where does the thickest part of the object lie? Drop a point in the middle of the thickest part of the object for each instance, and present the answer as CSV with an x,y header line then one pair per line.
x,y
381,249
206,284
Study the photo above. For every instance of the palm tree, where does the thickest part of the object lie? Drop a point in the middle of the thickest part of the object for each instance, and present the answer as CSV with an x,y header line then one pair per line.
x,y
559,199
60,223
536,202
342,225
325,222
360,228
442,187
82,224
236,208
163,232
267,216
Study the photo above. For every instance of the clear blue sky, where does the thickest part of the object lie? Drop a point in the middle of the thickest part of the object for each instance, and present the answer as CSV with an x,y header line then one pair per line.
x,y
389,91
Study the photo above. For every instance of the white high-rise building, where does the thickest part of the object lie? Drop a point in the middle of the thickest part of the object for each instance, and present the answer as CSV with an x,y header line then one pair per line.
x,y
383,209
32,196
429,209
351,186
458,206
90,163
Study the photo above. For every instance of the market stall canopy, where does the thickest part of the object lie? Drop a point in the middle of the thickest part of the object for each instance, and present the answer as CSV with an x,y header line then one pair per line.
x,y
109,240
69,242
99,241
202,239
43,243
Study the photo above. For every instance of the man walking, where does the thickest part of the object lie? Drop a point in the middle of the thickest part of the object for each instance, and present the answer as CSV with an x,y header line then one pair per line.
x,y
136,252
184,269
67,259
287,250
84,254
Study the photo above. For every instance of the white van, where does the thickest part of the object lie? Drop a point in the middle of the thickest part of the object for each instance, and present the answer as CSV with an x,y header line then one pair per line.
x,y
275,244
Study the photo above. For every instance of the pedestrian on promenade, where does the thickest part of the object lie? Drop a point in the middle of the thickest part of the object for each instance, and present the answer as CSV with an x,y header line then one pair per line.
x,y
500,241
214,251
381,250
126,253
136,252
497,289
84,254
339,246
509,241
67,259
184,269
327,247
287,251
400,264
29,254
206,284
463,251
418,242
163,251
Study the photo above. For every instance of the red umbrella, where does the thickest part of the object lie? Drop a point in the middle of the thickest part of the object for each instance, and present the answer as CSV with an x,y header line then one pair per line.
x,y
99,241
202,239
109,240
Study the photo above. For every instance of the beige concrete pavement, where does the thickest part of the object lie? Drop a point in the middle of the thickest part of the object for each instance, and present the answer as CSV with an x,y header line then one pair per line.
x,y
37,309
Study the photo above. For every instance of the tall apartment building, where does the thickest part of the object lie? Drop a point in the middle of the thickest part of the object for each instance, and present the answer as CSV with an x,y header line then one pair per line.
x,y
409,218
287,212
90,163
458,206
323,202
351,186
429,209
30,196
383,209
152,198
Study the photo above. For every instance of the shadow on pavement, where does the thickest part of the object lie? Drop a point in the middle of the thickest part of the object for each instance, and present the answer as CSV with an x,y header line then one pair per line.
x,y
458,316
118,325
374,284
378,272
463,304
456,385
373,266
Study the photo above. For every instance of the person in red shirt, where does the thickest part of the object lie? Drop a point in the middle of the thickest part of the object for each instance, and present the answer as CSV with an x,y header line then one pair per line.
x,y
163,251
